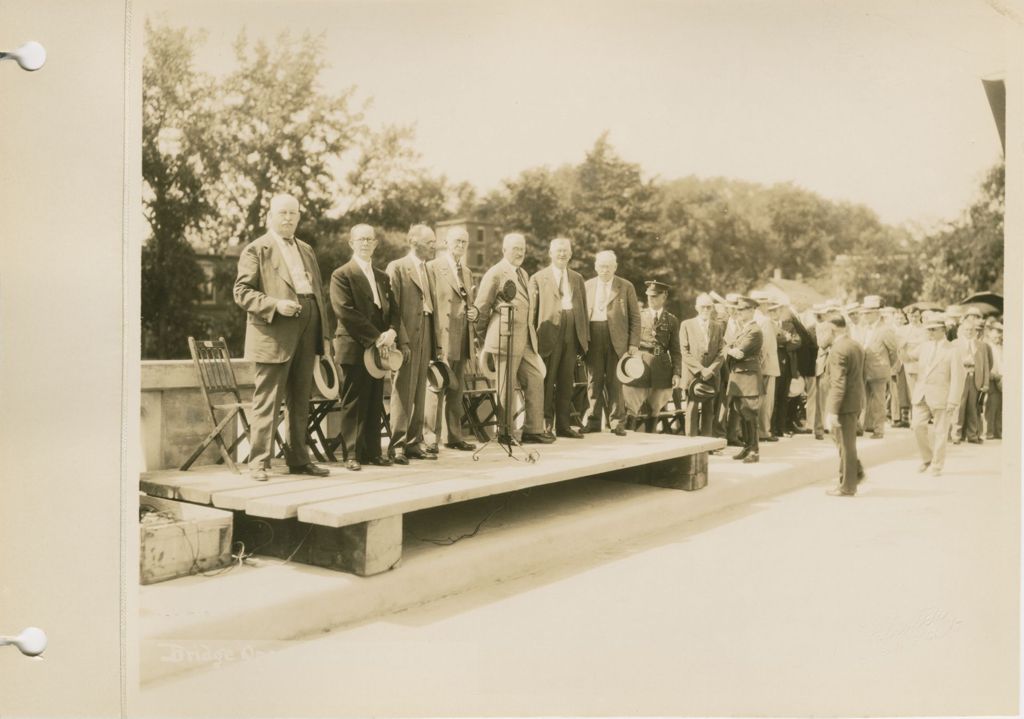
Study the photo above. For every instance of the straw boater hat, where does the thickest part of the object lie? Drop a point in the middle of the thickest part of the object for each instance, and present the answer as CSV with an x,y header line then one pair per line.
x,y
871,303
934,321
325,377
630,368
378,366
439,376
743,302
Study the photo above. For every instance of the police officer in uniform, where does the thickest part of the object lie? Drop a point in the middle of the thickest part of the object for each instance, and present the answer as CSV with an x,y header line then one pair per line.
x,y
744,391
663,360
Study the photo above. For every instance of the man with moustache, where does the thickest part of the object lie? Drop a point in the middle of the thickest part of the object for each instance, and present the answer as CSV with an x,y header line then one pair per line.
x,y
367,317
700,344
559,315
454,314
414,292
614,331
844,404
745,390
526,365
278,285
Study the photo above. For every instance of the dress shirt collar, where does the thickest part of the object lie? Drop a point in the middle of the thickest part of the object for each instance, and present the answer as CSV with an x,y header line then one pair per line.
x,y
366,267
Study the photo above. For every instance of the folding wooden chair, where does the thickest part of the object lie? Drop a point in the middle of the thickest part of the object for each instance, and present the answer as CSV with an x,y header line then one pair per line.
x,y
212,362
480,402
580,396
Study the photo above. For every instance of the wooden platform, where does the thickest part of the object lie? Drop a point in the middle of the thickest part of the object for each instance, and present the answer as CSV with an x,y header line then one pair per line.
x,y
353,520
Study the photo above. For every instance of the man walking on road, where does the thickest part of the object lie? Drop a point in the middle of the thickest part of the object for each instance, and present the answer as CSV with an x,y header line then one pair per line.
x,y
844,405
936,394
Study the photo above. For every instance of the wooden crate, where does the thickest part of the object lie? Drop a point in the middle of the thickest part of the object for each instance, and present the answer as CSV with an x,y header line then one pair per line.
x,y
199,539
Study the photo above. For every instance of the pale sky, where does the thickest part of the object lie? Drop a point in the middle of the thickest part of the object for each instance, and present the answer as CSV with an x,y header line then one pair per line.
x,y
879,103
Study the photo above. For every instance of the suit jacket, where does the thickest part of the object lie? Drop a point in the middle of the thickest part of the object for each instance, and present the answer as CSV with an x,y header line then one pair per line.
x,y
745,373
451,328
360,322
623,311
263,279
769,345
912,336
699,350
546,313
823,333
407,285
978,351
846,377
488,319
940,375
879,352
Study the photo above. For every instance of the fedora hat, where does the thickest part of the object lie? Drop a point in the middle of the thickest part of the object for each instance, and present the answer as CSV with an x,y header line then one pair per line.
x,y
872,302
325,377
439,376
629,368
377,365
700,389
936,321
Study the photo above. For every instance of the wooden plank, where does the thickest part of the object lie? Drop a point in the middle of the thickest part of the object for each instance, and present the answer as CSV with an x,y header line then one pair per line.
x,y
283,506
235,499
507,477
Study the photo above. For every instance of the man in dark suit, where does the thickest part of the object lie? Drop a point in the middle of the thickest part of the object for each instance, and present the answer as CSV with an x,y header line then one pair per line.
x,y
976,356
700,342
614,331
663,362
526,365
453,316
879,343
412,285
844,405
278,285
367,317
559,316
745,390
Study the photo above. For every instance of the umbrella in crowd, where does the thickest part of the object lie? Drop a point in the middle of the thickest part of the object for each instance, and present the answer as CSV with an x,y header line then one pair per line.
x,y
992,299
984,307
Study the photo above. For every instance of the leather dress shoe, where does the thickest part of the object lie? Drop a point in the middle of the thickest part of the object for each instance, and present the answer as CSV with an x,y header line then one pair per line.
x,y
314,470
742,454
924,466
534,438
769,438
976,440
400,458
418,454
431,448
957,441
590,429
838,492
752,458
570,433
380,461
259,475
619,430
877,435
936,471
352,465
819,435
461,445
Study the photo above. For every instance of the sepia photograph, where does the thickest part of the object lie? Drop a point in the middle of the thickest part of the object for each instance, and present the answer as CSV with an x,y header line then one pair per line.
x,y
574,358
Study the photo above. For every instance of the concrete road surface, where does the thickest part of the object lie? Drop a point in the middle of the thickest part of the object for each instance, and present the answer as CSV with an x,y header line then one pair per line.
x,y
902,600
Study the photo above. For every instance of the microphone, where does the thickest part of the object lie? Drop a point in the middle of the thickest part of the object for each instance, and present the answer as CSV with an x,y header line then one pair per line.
x,y
31,642
507,293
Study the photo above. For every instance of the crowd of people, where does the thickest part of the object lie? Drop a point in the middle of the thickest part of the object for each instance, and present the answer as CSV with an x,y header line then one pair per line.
x,y
748,368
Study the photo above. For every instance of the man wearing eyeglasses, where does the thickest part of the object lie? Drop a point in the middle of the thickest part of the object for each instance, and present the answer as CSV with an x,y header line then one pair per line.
x,y
278,285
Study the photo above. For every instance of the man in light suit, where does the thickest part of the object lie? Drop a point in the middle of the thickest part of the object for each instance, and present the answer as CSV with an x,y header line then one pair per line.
x,y
746,387
367,317
278,285
936,394
880,356
559,315
614,331
700,343
844,404
453,317
526,365
411,283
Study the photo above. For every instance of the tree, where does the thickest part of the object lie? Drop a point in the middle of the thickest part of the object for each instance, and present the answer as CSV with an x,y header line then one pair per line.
x,y
179,160
967,255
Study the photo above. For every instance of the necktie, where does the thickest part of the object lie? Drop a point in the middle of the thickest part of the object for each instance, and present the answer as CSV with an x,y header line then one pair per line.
x,y
427,306
520,274
458,275
561,284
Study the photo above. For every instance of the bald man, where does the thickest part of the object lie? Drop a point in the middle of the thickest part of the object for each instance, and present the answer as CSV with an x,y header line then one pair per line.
x,y
278,285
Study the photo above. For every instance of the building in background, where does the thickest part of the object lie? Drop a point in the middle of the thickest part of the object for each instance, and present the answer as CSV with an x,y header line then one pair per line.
x,y
484,242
